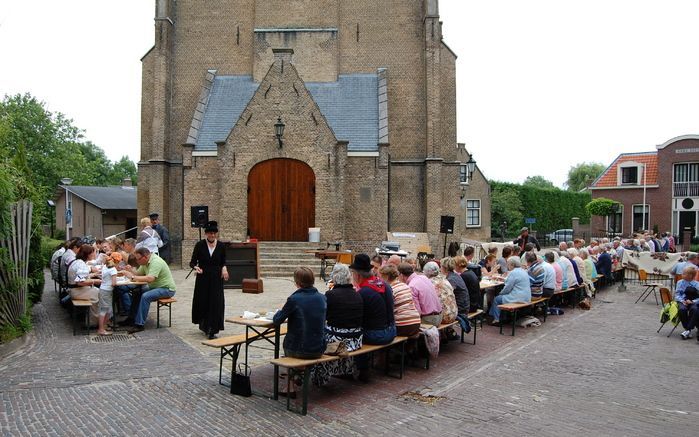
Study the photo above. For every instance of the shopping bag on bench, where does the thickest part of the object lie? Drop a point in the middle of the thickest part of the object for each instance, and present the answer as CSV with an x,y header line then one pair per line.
x,y
240,381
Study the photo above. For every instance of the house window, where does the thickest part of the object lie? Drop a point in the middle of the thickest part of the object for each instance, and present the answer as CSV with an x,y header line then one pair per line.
x,y
614,221
638,222
473,213
629,175
463,174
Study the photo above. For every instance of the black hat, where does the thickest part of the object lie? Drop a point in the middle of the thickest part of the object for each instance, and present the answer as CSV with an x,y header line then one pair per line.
x,y
362,263
153,215
211,226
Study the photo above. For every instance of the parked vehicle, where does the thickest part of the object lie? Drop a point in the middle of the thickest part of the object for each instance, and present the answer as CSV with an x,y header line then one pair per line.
x,y
560,235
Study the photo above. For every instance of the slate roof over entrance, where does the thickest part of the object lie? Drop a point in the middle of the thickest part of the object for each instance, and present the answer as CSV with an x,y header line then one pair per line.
x,y
350,106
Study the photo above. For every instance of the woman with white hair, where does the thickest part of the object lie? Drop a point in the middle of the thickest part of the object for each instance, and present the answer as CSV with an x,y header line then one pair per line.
x,y
344,324
444,290
516,289
148,237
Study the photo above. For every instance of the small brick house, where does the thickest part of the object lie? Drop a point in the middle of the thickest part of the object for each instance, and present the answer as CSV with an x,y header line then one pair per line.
x,y
367,97
670,175
96,211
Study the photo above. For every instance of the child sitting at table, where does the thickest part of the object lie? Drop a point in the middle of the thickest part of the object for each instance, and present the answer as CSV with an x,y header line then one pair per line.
x,y
109,280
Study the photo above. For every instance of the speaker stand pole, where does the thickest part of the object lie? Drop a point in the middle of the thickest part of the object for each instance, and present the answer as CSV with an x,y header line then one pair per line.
x,y
445,246
200,232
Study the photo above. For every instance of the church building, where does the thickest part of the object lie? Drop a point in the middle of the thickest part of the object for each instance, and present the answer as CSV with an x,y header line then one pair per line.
x,y
284,115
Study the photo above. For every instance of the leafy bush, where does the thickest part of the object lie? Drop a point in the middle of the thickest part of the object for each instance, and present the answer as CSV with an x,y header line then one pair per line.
x,y
48,247
601,206
551,207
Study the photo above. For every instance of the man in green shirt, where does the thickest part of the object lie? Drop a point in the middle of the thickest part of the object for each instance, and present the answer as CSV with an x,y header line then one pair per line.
x,y
155,272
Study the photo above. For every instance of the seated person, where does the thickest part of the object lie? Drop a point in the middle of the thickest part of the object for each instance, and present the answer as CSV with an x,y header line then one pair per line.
x,y
425,297
687,297
542,277
604,263
376,263
473,283
490,266
406,315
463,298
305,310
378,321
492,251
155,272
344,323
502,261
444,290
550,259
516,289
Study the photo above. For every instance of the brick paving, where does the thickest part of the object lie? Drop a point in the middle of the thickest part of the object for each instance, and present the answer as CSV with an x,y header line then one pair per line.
x,y
601,372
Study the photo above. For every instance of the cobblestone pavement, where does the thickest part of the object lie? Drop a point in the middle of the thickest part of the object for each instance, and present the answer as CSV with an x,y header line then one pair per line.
x,y
601,372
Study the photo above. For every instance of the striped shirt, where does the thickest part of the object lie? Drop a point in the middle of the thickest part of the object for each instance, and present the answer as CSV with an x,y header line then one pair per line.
x,y
536,277
403,306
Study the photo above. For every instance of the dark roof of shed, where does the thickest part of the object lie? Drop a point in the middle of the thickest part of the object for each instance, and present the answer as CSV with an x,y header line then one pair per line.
x,y
350,106
114,197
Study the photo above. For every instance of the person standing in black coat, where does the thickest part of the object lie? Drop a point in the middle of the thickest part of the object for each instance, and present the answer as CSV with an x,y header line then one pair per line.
x,y
209,262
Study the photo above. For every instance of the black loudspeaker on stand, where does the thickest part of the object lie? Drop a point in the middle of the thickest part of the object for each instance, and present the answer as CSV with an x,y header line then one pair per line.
x,y
446,227
200,216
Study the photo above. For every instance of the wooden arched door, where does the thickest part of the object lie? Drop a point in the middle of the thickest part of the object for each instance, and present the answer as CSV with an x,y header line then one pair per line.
x,y
281,200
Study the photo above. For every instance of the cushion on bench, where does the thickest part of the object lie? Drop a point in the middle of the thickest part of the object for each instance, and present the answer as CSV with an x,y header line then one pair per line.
x,y
166,300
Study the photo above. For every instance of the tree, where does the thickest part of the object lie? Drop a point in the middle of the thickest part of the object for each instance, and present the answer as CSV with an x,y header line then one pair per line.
x,y
538,181
506,208
123,168
601,206
53,149
583,175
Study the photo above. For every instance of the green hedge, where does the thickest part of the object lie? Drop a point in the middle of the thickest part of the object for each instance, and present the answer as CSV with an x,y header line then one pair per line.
x,y
552,208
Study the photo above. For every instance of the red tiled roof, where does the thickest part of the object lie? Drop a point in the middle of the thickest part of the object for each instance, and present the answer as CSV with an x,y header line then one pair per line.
x,y
609,177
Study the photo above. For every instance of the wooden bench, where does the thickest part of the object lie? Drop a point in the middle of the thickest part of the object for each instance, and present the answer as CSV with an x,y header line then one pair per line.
x,y
230,347
303,367
165,302
574,290
513,307
77,305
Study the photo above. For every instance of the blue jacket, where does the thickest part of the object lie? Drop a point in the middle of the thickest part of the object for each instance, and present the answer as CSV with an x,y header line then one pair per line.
x,y
305,309
517,288
604,265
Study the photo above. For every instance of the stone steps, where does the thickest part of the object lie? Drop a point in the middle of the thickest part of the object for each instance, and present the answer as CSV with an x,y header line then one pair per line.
x,y
280,259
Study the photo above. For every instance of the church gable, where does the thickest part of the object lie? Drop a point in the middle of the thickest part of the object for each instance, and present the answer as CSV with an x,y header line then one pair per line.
x,y
351,106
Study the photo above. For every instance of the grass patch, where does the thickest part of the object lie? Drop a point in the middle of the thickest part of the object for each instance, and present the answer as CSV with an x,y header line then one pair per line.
x,y
10,332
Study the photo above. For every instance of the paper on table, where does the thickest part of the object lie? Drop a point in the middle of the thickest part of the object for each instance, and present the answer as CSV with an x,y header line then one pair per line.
x,y
250,315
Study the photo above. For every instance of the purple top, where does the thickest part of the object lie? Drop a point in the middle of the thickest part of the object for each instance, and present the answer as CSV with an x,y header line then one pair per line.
x,y
424,295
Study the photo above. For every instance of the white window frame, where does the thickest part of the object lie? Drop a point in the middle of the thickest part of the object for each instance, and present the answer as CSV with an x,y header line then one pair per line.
x,y
621,229
463,169
639,173
633,213
480,221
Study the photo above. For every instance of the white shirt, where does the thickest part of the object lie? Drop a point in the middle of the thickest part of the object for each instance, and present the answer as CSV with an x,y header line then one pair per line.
x,y
107,274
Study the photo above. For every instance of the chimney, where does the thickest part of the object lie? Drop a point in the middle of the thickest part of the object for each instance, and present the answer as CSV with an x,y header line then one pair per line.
x,y
126,182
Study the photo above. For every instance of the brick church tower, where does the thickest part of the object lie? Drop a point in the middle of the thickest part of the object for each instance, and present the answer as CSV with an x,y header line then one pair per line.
x,y
365,91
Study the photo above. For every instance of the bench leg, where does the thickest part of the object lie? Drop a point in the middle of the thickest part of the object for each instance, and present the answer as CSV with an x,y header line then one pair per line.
x,y
475,330
306,382
169,322
157,323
